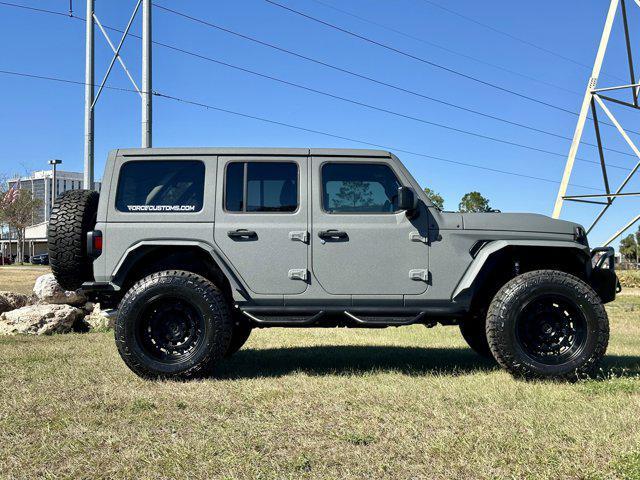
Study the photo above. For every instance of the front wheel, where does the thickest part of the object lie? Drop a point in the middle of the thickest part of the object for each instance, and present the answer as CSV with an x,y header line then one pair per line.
x,y
173,324
547,324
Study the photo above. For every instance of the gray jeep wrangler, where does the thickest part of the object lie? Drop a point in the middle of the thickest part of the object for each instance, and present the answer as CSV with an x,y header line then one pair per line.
x,y
197,247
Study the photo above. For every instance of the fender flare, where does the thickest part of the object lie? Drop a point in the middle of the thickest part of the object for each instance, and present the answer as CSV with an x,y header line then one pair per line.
x,y
139,249
466,283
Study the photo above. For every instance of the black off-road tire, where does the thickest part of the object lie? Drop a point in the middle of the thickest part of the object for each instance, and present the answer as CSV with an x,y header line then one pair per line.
x,y
72,216
239,335
189,290
474,332
579,300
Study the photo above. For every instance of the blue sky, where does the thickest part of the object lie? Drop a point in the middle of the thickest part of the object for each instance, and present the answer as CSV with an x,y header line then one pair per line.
x,y
40,120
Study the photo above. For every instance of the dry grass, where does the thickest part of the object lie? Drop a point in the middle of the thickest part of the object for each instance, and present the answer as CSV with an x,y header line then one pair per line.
x,y
336,403
629,278
20,279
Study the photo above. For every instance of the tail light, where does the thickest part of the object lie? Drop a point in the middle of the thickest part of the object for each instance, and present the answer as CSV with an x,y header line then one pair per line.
x,y
94,243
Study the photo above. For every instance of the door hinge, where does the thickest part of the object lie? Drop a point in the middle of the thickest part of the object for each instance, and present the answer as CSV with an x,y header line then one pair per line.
x,y
299,236
419,275
298,274
416,237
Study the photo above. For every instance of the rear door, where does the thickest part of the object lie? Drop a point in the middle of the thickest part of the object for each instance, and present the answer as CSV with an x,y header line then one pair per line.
x,y
361,243
261,221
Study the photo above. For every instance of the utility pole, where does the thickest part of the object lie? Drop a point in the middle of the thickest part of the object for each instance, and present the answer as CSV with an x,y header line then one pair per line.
x,y
90,99
147,93
89,79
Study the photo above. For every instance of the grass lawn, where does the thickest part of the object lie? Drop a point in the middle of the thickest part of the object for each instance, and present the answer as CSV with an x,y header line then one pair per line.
x,y
20,278
336,403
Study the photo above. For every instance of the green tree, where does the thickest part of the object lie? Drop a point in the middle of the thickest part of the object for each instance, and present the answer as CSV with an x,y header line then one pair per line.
x,y
629,247
474,202
17,207
353,194
435,197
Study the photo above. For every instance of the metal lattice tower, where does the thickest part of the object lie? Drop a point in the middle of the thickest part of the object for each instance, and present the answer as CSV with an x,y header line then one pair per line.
x,y
597,98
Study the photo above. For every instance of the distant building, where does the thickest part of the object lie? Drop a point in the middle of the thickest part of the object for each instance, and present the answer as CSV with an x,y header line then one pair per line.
x,y
40,184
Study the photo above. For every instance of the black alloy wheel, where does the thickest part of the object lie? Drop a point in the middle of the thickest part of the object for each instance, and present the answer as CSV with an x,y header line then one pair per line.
x,y
551,329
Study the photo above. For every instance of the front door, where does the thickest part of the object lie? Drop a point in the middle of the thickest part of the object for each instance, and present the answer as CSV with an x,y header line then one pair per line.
x,y
362,244
261,221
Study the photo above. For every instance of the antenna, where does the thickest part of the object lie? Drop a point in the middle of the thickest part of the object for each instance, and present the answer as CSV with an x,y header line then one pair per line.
x,y
595,98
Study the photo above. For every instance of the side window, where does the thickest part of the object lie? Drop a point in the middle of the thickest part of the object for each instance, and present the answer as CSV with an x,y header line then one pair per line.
x,y
261,187
161,186
359,188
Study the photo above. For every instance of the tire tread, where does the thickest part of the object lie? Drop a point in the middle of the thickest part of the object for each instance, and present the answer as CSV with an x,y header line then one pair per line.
x,y
503,351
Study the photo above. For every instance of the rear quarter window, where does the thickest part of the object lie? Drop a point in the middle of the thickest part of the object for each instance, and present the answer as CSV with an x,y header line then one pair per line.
x,y
161,186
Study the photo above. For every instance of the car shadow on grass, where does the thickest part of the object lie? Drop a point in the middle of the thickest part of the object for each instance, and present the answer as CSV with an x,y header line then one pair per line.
x,y
361,359
620,366
352,360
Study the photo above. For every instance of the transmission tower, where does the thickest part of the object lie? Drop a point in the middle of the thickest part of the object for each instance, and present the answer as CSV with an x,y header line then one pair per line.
x,y
91,98
597,99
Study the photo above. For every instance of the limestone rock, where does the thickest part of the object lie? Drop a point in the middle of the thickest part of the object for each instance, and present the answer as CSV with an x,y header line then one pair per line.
x,y
11,301
47,290
98,319
40,319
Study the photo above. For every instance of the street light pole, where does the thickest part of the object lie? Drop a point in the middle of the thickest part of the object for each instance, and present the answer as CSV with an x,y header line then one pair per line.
x,y
54,190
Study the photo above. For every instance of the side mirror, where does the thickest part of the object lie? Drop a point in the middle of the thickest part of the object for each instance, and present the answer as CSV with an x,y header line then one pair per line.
x,y
407,199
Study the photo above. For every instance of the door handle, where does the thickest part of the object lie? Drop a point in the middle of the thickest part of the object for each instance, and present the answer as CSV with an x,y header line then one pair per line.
x,y
332,234
242,234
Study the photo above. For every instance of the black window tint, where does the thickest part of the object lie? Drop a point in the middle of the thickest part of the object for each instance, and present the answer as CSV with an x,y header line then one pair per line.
x,y
234,187
269,187
162,186
359,188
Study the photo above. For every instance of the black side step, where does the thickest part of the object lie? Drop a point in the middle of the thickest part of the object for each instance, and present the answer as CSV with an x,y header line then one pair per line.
x,y
338,317
384,320
292,321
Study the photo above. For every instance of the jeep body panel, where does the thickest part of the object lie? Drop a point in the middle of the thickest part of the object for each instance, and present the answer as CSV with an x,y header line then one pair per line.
x,y
382,250
275,250
472,272
390,261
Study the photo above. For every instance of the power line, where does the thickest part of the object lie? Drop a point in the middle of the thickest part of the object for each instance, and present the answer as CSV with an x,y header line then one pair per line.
x,y
434,64
41,10
420,59
301,128
62,80
380,109
379,82
377,145
373,107
446,49
509,35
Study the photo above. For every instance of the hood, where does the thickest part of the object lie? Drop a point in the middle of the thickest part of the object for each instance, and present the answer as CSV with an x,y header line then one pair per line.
x,y
517,222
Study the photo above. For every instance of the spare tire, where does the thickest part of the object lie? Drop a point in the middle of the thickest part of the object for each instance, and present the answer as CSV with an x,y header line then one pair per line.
x,y
73,215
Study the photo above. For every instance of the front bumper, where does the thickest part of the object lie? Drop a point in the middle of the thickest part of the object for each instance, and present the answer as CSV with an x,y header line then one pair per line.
x,y
603,274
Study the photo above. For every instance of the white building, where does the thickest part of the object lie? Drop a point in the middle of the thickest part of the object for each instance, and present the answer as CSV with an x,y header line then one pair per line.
x,y
40,183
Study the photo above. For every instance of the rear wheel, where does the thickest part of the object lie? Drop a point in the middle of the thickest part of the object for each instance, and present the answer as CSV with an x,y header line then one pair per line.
x,y
173,324
474,332
239,335
547,324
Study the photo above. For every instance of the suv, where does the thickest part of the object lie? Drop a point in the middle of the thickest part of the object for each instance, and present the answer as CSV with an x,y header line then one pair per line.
x,y
196,247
